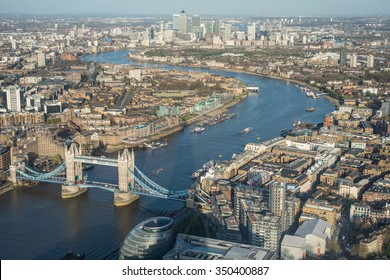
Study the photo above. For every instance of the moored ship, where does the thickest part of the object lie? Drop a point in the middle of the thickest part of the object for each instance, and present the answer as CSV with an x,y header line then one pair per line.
x,y
197,173
247,130
311,109
197,129
155,145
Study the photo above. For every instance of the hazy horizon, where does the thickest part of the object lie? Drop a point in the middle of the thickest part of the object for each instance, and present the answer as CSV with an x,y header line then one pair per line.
x,y
348,8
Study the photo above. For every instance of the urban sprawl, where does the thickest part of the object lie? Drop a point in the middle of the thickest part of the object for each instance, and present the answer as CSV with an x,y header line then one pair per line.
x,y
318,191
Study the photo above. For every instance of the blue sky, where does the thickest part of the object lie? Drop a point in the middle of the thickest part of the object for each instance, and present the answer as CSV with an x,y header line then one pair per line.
x,y
203,7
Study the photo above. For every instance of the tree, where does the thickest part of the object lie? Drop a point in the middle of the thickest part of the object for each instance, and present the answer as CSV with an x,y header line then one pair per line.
x,y
334,248
56,159
3,176
354,250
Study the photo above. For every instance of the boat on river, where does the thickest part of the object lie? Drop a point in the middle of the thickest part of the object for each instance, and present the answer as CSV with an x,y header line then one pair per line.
x,y
71,255
247,130
197,173
311,109
156,145
197,129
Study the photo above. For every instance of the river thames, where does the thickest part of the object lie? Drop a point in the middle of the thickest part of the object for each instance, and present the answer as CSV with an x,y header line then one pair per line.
x,y
37,224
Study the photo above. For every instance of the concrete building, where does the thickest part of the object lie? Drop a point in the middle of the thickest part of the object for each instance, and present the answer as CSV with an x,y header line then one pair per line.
x,y
264,230
343,57
254,199
370,61
309,239
183,22
251,32
293,248
277,198
5,157
14,98
189,247
135,74
353,61
53,107
41,58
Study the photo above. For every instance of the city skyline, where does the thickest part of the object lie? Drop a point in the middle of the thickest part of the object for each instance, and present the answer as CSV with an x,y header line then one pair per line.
x,y
230,7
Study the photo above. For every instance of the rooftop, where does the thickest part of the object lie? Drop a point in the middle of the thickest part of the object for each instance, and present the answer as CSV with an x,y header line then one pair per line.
x,y
201,248
315,227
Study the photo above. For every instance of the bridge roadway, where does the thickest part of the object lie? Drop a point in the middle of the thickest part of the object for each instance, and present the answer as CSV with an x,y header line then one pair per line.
x,y
97,160
99,185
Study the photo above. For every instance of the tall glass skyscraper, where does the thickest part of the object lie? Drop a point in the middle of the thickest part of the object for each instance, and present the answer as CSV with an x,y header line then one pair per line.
x,y
175,21
343,57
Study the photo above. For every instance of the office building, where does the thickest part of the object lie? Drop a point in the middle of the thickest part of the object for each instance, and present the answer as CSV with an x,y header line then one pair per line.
x,y
216,27
209,27
251,32
175,22
35,102
343,57
227,34
196,23
53,107
189,247
14,98
161,27
183,24
196,20
370,61
150,239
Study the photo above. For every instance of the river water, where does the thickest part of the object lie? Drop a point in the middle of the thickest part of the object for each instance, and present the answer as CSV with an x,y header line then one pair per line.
x,y
36,223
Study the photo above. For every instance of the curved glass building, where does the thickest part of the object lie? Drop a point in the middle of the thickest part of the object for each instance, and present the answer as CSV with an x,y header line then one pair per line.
x,y
150,239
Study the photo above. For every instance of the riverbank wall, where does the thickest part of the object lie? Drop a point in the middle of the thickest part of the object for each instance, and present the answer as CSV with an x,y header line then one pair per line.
x,y
6,187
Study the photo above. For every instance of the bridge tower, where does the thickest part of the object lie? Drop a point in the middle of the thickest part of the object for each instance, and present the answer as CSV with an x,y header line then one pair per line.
x,y
123,196
12,173
74,172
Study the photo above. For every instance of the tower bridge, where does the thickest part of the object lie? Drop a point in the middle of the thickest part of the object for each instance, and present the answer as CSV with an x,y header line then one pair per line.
x,y
131,181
